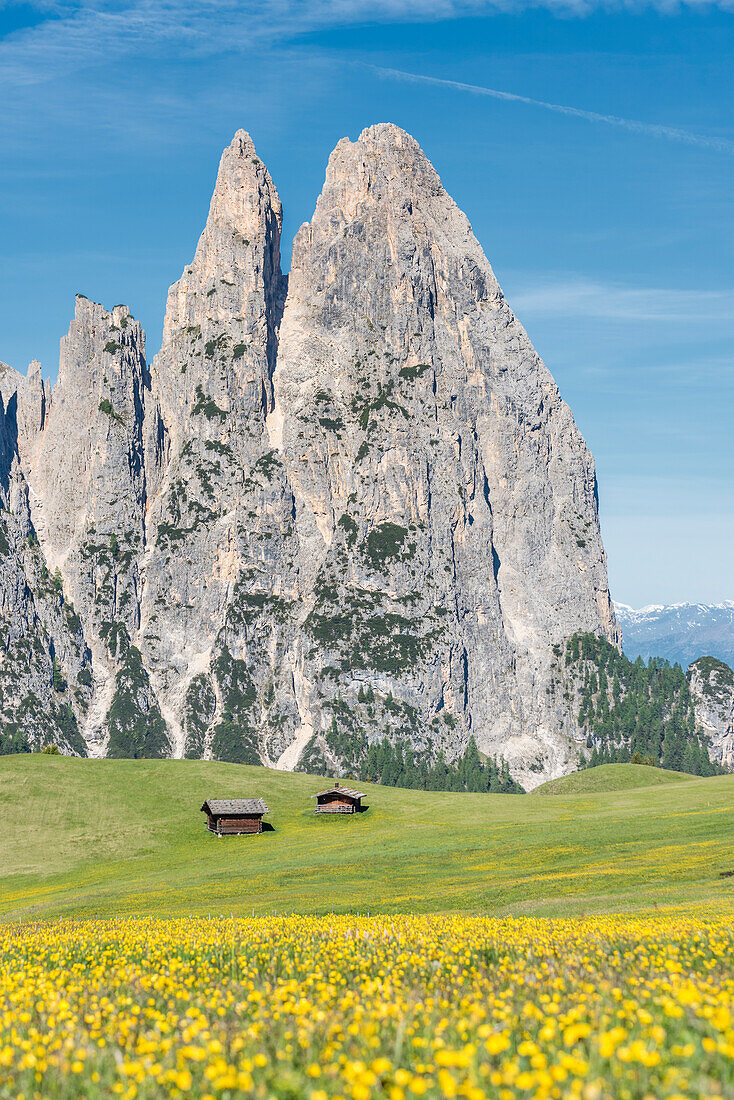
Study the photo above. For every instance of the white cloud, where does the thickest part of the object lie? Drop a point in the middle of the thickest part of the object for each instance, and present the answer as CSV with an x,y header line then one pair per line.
x,y
573,296
672,133
76,36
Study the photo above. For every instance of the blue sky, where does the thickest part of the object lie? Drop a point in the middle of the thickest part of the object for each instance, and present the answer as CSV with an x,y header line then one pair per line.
x,y
613,241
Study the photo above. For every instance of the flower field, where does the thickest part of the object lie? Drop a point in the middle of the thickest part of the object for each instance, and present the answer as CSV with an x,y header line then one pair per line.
x,y
401,1007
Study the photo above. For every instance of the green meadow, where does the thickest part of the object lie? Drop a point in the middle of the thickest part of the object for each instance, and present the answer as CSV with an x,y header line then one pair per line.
x,y
104,838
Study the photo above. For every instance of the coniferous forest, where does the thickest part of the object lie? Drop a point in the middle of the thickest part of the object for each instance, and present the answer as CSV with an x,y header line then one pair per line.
x,y
628,711
632,711
396,765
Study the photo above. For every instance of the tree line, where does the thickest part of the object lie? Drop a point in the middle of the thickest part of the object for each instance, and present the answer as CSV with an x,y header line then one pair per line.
x,y
632,711
398,765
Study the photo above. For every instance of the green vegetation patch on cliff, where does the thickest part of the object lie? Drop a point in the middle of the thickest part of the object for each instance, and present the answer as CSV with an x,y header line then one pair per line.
x,y
365,407
246,608
106,407
387,542
199,707
267,464
134,720
349,525
352,624
116,638
35,717
716,677
215,345
207,406
413,372
235,734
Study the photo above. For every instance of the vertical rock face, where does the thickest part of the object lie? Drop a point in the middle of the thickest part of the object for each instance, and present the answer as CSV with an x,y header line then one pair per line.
x,y
222,315
25,404
359,509
45,673
445,498
712,687
87,481
220,518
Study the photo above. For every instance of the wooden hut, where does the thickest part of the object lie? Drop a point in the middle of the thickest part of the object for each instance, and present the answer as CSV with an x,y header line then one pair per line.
x,y
338,800
234,816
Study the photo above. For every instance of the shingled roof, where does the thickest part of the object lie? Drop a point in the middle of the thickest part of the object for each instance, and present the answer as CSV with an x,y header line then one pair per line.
x,y
340,790
223,806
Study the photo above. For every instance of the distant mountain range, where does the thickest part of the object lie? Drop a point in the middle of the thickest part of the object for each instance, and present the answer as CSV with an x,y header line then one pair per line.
x,y
679,632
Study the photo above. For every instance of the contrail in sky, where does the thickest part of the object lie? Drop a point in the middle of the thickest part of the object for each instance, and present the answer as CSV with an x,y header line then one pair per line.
x,y
721,145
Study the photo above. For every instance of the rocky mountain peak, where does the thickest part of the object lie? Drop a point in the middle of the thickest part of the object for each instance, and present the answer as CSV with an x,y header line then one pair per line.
x,y
434,466
25,402
238,253
385,165
381,148
359,510
222,316
87,473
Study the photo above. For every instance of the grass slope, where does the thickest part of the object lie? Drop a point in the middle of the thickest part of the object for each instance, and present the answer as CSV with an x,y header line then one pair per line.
x,y
109,837
610,777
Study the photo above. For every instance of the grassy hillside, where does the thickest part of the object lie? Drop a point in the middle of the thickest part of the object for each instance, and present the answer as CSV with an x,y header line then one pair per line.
x,y
107,837
610,777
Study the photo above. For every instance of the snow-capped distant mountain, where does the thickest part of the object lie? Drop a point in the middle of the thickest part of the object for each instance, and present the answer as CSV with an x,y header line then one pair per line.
x,y
680,632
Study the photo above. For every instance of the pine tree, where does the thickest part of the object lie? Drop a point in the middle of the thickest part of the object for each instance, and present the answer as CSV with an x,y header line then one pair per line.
x,y
59,683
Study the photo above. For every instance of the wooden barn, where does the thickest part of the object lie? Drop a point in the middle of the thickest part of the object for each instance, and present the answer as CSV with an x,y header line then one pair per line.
x,y
234,816
338,800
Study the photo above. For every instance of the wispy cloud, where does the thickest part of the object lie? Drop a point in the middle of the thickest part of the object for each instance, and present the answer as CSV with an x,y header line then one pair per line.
x,y
652,129
712,371
579,297
75,36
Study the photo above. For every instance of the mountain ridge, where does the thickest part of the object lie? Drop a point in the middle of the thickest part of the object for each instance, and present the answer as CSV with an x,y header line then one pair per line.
x,y
723,605
680,632
349,503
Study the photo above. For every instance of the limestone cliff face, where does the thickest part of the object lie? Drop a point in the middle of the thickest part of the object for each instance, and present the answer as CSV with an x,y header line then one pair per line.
x,y
45,665
25,400
445,498
712,687
220,525
353,509
87,487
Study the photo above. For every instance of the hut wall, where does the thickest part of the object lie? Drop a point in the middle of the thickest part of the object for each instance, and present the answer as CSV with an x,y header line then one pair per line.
x,y
337,800
234,825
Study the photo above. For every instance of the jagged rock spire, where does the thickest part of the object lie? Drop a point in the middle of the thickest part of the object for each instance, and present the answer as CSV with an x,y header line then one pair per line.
x,y
209,499
429,447
87,481
222,316
238,253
